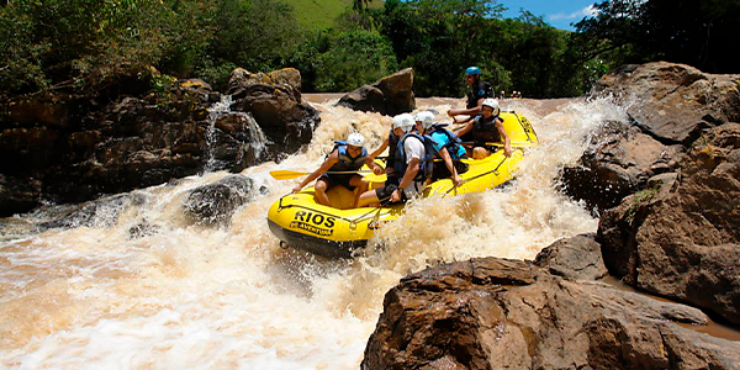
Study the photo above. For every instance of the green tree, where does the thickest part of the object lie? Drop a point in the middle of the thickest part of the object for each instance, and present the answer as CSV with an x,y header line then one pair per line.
x,y
352,59
699,33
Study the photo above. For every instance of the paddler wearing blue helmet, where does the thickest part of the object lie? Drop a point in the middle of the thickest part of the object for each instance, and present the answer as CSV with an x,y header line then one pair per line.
x,y
479,91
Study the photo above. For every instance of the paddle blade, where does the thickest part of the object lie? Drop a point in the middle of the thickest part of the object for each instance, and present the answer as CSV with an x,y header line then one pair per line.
x,y
286,174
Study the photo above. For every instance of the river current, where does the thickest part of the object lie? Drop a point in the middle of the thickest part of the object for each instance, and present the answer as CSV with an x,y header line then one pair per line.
x,y
186,296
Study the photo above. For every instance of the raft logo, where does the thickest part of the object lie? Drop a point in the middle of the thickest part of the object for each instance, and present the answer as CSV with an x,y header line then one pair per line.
x,y
313,222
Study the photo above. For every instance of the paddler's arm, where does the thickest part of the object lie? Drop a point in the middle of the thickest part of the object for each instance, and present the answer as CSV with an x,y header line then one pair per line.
x,y
467,112
375,154
408,178
465,129
331,160
379,151
504,136
370,162
448,162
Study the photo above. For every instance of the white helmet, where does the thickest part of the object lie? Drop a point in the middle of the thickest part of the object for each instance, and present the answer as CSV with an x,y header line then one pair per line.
x,y
356,139
493,103
404,121
426,118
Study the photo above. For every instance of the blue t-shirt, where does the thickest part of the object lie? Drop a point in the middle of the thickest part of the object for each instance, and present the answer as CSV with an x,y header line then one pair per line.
x,y
443,140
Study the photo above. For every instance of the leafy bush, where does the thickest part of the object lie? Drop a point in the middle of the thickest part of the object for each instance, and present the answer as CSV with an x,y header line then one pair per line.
x,y
354,58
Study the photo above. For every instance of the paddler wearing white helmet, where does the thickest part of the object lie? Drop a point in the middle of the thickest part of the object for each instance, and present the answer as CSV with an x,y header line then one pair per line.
x,y
340,168
487,127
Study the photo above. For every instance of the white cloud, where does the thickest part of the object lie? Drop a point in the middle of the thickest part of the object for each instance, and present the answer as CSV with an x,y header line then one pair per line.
x,y
588,11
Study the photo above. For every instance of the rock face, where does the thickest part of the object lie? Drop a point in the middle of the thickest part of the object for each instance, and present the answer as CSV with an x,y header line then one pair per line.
x,y
670,105
75,148
576,258
680,238
274,100
502,314
390,95
215,203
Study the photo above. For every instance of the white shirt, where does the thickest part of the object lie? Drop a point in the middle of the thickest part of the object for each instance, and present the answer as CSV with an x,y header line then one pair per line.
x,y
414,148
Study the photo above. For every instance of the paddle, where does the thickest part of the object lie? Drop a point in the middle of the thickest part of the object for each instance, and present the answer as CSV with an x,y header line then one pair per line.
x,y
288,174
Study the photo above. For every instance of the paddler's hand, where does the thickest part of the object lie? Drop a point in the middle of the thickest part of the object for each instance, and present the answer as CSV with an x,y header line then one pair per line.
x,y
396,196
378,170
296,189
458,180
507,150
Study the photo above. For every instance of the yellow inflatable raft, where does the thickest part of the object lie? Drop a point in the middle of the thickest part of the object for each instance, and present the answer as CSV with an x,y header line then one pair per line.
x,y
299,222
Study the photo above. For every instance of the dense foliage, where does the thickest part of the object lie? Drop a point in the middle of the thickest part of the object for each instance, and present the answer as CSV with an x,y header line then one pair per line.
x,y
699,33
82,45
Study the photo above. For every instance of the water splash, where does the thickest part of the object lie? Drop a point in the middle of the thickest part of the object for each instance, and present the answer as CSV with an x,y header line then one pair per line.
x,y
188,296
255,141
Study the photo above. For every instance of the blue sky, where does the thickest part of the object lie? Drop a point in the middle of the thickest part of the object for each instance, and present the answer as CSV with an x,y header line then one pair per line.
x,y
557,13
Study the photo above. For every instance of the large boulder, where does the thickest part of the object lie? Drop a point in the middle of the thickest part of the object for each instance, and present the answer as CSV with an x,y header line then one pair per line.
x,y
102,144
669,106
502,314
576,258
619,161
390,95
673,102
275,102
680,238
215,203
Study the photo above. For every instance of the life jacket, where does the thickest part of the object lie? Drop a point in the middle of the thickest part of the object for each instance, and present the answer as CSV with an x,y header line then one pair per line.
x,y
479,90
392,144
347,163
453,143
484,130
426,164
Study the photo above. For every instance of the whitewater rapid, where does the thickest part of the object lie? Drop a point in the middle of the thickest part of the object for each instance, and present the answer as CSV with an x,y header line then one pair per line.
x,y
186,296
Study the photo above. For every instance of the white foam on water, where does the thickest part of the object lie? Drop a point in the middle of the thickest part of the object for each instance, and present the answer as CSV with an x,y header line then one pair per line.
x,y
198,297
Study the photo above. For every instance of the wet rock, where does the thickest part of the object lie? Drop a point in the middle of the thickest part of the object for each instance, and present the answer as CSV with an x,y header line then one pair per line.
x,y
390,95
670,105
215,203
500,314
673,102
576,258
102,212
681,238
274,101
18,194
619,161
143,229
241,78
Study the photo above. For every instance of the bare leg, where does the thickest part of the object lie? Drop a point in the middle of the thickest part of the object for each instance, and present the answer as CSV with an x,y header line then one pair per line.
x,y
480,152
321,196
359,186
368,198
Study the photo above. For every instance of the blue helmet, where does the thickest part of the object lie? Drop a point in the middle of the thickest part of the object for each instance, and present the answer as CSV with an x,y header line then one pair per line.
x,y
472,71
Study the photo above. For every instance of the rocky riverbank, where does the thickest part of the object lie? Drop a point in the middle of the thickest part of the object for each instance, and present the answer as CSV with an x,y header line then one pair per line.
x,y
668,189
145,131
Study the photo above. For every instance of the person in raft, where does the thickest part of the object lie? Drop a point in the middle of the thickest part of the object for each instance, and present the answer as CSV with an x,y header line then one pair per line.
x,y
391,142
339,168
486,128
412,160
447,148
479,91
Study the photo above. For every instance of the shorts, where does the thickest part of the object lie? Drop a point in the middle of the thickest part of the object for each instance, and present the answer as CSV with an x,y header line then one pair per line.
x,y
384,193
334,180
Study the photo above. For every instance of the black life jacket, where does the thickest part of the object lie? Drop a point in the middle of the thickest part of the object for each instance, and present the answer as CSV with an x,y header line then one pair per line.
x,y
453,146
426,164
347,163
479,90
484,130
392,144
